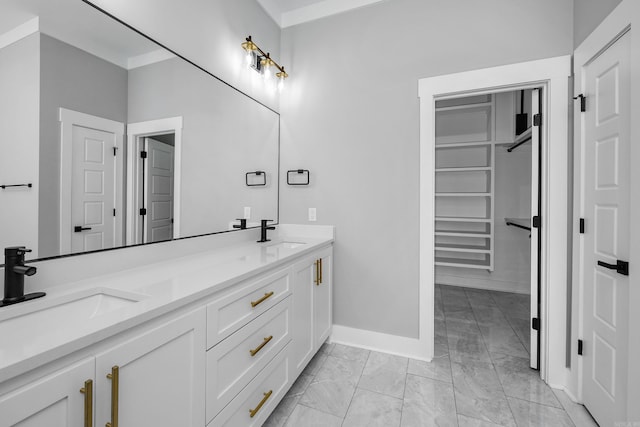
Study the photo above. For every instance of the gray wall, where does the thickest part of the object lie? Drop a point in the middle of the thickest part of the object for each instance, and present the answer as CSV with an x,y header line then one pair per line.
x,y
74,79
350,115
225,134
19,90
587,14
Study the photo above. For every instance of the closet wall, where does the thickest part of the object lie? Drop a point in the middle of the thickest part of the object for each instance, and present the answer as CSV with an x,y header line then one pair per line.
x,y
508,181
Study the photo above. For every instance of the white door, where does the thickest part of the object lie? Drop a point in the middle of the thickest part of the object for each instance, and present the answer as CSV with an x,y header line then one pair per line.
x,y
55,400
535,232
93,189
156,378
158,191
606,187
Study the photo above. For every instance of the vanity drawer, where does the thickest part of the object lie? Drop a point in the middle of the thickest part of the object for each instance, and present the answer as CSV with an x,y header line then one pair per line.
x,y
234,362
260,397
236,309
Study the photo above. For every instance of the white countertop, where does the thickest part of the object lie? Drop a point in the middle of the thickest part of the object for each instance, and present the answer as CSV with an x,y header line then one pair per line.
x,y
162,288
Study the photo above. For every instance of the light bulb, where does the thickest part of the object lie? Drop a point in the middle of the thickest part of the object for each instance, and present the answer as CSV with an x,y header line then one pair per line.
x,y
266,73
280,83
248,58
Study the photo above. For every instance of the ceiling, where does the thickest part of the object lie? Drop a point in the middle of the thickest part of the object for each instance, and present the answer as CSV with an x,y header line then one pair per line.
x,y
287,13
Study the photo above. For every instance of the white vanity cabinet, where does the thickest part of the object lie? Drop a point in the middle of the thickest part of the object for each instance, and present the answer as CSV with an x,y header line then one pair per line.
x,y
312,306
155,378
54,400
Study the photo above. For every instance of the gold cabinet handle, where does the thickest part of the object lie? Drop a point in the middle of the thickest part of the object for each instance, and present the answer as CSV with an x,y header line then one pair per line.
x,y
258,348
316,280
87,390
253,412
114,376
267,295
320,280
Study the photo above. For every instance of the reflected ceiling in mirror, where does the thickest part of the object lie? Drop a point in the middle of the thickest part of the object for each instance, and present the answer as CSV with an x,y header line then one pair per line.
x,y
123,141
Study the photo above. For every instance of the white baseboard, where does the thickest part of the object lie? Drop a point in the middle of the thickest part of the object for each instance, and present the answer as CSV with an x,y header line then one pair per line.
x,y
479,283
378,341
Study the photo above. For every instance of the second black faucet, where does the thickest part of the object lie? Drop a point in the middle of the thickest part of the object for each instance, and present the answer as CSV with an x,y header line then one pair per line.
x,y
263,230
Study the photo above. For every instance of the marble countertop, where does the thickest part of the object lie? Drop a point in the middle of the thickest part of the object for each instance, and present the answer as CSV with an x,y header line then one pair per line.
x,y
160,288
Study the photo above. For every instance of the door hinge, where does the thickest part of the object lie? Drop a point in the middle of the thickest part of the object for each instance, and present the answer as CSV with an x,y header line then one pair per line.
x,y
536,222
537,119
580,347
581,225
583,102
143,154
115,151
143,211
535,324
114,212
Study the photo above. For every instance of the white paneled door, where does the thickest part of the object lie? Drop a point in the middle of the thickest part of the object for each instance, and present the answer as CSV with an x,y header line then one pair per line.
x,y
606,192
159,185
93,189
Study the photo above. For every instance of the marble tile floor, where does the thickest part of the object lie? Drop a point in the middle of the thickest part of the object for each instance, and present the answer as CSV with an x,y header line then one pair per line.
x,y
479,377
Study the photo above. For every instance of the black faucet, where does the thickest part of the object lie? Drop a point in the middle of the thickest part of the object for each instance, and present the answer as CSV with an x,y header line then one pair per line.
x,y
242,225
14,272
263,230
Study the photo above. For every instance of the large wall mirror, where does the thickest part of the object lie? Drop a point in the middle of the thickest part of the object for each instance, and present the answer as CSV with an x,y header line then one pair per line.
x,y
108,140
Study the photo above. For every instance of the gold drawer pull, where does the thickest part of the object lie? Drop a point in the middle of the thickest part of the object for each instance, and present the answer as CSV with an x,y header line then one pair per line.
x,y
114,376
316,280
253,412
258,348
267,295
320,260
87,390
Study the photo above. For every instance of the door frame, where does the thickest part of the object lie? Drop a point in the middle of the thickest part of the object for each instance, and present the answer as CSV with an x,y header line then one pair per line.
x,y
553,75
68,119
135,132
623,18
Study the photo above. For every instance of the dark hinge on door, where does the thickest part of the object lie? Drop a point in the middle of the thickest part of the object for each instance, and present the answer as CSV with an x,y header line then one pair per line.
x,y
537,119
535,324
114,212
536,222
115,150
580,347
143,154
581,225
583,102
143,211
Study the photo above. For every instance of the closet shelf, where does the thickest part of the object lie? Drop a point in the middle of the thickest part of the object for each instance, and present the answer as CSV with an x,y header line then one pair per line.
x,y
464,144
448,247
463,194
465,263
469,169
461,219
464,106
453,233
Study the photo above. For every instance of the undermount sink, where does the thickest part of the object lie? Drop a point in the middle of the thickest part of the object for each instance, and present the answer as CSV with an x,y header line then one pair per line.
x,y
287,245
73,309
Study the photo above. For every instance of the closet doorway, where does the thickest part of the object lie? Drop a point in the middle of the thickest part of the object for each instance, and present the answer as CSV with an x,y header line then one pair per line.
x,y
552,76
487,239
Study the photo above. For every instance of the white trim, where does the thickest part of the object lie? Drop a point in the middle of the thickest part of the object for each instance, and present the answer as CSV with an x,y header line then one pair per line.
x,y
149,58
320,10
68,119
552,74
377,341
134,132
625,16
21,31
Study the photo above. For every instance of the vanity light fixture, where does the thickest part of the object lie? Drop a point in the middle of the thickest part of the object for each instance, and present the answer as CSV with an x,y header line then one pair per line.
x,y
263,63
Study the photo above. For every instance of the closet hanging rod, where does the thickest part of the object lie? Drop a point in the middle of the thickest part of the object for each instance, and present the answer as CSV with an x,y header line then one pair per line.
x,y
513,224
520,139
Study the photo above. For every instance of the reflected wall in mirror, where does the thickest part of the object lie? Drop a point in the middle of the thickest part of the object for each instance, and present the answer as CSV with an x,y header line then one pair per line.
x,y
123,141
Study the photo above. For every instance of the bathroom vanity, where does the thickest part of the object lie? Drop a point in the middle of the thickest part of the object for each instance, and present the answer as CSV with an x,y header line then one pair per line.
x,y
211,339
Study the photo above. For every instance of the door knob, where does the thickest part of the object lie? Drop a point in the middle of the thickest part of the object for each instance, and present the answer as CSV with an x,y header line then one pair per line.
x,y
621,267
79,228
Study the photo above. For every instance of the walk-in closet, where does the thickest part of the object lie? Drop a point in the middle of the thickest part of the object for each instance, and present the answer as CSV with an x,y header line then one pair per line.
x,y
486,193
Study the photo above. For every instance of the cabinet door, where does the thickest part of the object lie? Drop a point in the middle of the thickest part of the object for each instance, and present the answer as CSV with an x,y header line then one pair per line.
x,y
160,376
322,299
303,274
55,400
